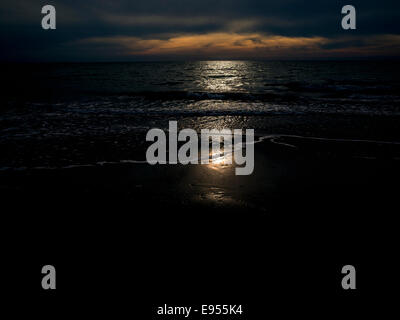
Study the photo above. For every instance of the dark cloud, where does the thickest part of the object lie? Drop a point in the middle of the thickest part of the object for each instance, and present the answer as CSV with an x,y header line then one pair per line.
x,y
109,29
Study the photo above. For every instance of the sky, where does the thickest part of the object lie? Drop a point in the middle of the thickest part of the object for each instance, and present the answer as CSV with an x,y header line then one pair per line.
x,y
146,30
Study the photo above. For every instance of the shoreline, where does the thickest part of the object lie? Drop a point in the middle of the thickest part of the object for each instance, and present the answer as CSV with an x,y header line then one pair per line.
x,y
282,163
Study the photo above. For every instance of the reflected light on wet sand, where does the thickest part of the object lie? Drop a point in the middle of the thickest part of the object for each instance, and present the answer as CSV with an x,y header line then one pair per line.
x,y
220,161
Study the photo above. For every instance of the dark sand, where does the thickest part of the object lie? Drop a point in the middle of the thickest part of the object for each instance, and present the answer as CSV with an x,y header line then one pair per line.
x,y
179,232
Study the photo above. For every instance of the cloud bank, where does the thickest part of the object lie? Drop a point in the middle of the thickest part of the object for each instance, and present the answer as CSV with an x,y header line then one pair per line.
x,y
185,29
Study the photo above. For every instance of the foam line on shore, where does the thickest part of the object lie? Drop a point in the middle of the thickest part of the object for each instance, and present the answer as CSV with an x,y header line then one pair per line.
x,y
272,138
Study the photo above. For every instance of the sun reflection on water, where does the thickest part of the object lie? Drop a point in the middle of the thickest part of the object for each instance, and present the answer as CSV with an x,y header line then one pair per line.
x,y
223,76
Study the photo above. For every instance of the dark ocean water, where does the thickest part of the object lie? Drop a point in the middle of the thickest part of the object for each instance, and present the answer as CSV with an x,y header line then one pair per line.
x,y
69,113
209,87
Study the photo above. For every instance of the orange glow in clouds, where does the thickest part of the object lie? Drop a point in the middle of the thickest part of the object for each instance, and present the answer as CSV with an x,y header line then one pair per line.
x,y
211,44
245,45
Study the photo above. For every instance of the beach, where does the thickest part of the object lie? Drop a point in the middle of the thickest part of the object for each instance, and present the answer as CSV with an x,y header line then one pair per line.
x,y
322,191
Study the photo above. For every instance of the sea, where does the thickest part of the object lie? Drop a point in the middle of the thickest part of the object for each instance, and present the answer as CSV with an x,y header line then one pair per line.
x,y
56,112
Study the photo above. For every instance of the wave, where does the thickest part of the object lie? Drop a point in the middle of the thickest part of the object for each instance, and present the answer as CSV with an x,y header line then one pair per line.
x,y
199,95
273,91
342,87
123,105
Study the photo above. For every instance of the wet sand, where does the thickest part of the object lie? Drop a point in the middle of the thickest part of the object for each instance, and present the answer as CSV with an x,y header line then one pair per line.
x,y
310,202
296,180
